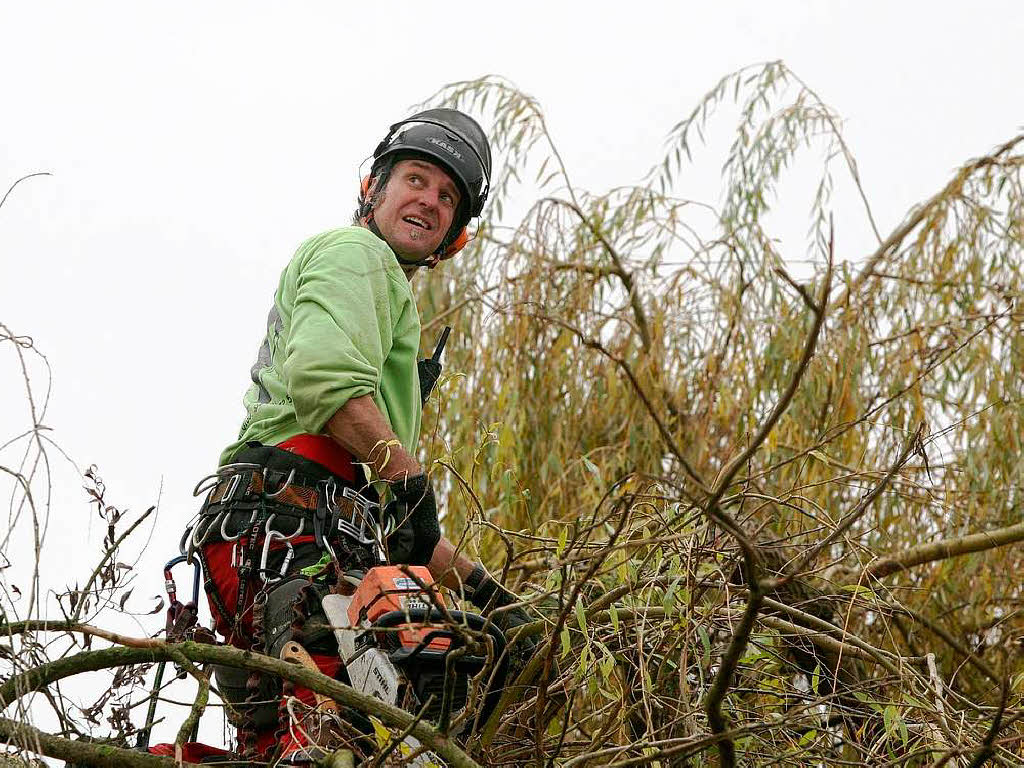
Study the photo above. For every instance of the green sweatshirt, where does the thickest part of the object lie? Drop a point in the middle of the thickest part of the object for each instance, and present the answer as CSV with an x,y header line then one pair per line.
x,y
344,324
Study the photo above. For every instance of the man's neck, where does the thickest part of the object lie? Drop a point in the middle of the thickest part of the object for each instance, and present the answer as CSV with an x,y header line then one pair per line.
x,y
409,269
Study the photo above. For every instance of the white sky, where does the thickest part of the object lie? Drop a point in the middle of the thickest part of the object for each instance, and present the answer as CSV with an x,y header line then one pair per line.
x,y
194,145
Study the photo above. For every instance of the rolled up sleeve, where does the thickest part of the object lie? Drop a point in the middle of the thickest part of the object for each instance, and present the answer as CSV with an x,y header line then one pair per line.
x,y
340,332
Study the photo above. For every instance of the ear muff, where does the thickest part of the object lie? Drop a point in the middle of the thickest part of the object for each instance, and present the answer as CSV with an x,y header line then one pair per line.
x,y
364,190
461,241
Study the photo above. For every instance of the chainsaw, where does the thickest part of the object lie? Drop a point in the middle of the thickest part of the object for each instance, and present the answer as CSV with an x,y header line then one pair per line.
x,y
400,643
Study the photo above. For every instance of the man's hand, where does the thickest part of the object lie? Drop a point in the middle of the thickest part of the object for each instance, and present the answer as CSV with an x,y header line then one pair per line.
x,y
414,510
490,596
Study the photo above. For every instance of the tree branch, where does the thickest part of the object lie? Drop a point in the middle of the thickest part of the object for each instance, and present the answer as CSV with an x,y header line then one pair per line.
x,y
908,226
61,625
862,506
723,679
106,556
945,549
619,270
80,752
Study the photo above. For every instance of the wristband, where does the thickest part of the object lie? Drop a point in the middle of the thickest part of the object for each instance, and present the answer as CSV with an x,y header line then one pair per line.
x,y
484,592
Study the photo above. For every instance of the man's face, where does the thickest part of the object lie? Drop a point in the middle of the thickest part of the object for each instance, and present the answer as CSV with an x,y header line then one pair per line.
x,y
417,210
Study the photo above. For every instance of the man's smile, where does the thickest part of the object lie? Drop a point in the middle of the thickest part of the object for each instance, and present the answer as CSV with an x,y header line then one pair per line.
x,y
417,221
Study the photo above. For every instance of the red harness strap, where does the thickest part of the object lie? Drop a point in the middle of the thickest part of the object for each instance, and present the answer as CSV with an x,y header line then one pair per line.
x,y
324,451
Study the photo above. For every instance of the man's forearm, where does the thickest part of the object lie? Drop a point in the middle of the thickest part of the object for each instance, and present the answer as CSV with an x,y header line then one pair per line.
x,y
361,429
449,567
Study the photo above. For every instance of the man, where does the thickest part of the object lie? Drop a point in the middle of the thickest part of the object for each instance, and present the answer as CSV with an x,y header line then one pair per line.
x,y
335,390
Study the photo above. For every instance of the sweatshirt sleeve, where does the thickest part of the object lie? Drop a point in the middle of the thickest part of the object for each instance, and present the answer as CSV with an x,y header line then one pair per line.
x,y
340,334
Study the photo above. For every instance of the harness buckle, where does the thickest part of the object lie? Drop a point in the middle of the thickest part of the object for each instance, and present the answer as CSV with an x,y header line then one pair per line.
x,y
233,482
366,510
355,527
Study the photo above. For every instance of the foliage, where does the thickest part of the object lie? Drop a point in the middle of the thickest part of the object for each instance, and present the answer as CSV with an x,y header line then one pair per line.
x,y
614,353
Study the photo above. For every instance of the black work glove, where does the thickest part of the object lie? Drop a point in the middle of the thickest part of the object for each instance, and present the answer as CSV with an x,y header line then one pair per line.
x,y
414,511
488,595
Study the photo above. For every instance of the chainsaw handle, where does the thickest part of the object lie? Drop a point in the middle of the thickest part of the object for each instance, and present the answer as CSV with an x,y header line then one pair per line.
x,y
474,621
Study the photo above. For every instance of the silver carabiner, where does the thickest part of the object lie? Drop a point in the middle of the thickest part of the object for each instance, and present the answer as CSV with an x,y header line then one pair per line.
x,y
201,533
282,489
265,556
269,535
223,533
278,534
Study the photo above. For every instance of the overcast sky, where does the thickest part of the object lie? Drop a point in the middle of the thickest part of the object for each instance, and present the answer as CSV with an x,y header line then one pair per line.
x,y
194,145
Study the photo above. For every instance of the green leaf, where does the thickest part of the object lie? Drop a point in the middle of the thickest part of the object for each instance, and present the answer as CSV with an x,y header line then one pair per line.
x,y
581,617
607,662
566,641
563,537
583,669
705,640
613,614
808,737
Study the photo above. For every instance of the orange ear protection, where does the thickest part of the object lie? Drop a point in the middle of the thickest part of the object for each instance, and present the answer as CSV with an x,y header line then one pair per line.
x,y
461,240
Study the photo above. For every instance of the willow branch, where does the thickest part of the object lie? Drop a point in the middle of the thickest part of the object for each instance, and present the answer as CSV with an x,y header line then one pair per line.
x,y
738,644
48,625
106,556
619,270
893,241
818,309
597,346
858,511
945,549
23,178
198,705
80,752
987,746
848,644
972,658
717,719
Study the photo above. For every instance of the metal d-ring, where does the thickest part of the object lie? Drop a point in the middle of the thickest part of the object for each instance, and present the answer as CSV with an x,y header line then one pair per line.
x,y
212,481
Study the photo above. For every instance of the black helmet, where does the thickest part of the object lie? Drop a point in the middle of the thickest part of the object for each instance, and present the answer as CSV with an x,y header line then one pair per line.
x,y
457,142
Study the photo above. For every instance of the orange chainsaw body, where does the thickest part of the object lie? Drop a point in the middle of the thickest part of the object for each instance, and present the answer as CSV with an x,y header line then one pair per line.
x,y
388,588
